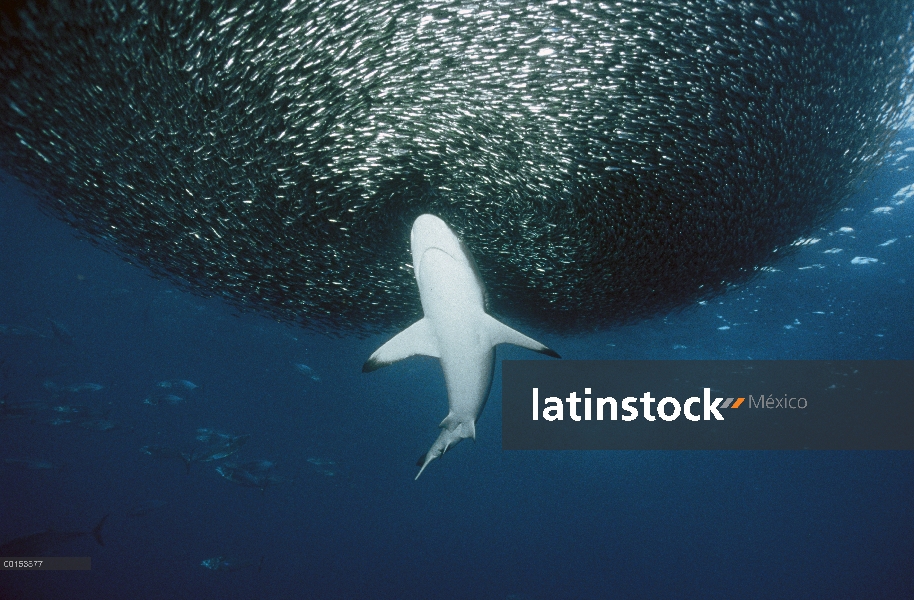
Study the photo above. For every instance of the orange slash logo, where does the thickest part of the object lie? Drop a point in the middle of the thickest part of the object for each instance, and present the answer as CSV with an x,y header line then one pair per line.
x,y
730,401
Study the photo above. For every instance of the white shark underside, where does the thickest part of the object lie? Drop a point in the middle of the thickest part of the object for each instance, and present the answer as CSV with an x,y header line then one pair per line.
x,y
455,329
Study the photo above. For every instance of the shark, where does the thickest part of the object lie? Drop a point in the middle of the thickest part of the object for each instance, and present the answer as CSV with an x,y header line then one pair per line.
x,y
47,542
455,329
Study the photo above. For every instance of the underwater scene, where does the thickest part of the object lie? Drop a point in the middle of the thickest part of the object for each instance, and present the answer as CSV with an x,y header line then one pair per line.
x,y
241,458
209,223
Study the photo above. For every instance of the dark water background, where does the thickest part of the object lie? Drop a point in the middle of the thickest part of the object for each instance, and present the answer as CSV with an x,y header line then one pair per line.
x,y
480,523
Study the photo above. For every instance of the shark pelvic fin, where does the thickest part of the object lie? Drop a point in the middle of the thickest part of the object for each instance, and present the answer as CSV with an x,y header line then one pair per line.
x,y
417,339
460,428
502,334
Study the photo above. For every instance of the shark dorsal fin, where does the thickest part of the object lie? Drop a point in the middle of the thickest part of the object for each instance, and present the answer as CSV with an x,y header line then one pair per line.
x,y
417,339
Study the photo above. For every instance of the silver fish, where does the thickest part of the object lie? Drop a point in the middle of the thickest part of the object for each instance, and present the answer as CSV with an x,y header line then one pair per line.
x,y
179,384
157,399
220,563
306,371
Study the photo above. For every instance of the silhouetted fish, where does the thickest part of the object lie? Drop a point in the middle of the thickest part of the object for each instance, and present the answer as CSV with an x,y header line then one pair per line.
x,y
306,371
61,332
74,388
47,542
168,453
221,450
16,410
95,424
20,331
254,474
325,466
35,464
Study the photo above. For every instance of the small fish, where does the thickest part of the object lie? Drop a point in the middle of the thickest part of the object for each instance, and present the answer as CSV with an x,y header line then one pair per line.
x,y
77,388
61,332
255,474
220,563
241,477
306,371
69,409
11,413
324,466
157,399
96,424
20,331
21,409
221,450
208,435
212,436
36,464
178,384
165,452
82,416
31,405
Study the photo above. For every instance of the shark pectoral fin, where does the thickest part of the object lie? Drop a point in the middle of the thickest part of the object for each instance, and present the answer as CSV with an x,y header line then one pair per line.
x,y
500,333
416,339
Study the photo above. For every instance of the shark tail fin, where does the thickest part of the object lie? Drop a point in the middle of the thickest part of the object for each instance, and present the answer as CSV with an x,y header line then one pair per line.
x,y
97,530
452,431
502,334
418,338
423,462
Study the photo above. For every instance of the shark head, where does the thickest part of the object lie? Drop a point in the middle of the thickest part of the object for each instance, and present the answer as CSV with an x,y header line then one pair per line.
x,y
430,232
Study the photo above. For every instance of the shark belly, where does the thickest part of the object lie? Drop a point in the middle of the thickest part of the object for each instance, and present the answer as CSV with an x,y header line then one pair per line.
x,y
454,304
468,379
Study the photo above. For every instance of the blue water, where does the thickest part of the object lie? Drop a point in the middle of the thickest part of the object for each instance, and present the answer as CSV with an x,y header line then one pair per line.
x,y
480,523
